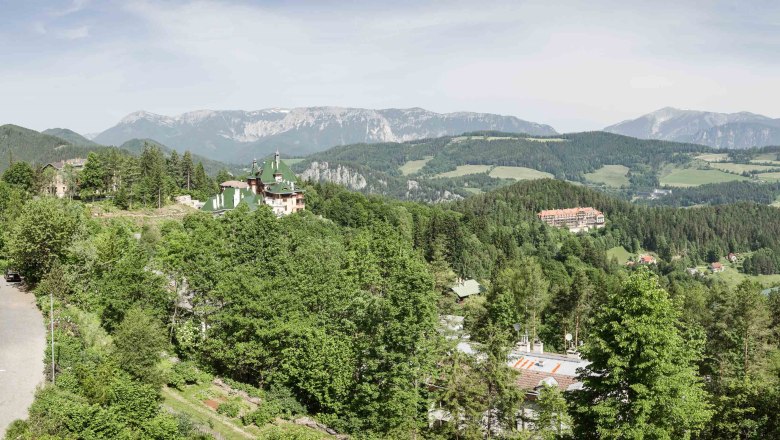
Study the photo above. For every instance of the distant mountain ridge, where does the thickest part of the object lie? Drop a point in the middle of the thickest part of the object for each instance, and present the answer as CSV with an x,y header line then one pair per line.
x,y
720,130
240,136
70,136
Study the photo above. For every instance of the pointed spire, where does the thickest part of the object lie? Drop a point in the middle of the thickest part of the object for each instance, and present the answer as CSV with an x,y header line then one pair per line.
x,y
276,158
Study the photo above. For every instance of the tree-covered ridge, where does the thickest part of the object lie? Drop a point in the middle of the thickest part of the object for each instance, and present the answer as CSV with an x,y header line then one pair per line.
x,y
21,144
687,232
337,307
567,157
52,145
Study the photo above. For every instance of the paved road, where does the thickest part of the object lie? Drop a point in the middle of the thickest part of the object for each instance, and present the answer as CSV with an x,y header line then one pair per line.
x,y
22,347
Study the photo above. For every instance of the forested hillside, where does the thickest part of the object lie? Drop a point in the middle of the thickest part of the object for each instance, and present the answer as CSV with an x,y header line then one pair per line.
x,y
52,145
452,162
333,312
18,143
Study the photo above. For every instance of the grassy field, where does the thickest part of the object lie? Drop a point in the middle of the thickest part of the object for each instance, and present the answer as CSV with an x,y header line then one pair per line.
x,y
767,157
713,157
414,166
685,177
620,253
474,190
770,177
293,161
518,173
610,175
464,170
733,277
740,168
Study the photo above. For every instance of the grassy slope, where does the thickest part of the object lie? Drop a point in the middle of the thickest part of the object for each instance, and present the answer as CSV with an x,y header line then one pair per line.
x,y
518,173
413,166
684,177
610,175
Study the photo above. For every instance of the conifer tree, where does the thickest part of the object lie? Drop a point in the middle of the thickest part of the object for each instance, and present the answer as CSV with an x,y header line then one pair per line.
x,y
187,170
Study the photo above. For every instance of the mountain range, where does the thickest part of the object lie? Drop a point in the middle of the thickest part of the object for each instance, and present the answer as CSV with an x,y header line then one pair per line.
x,y
240,136
718,130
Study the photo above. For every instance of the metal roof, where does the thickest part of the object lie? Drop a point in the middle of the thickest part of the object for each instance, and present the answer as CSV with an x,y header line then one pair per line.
x,y
467,288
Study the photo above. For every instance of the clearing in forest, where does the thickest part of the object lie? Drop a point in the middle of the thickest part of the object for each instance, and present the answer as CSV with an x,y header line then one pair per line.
x,y
771,177
519,173
685,177
740,168
620,253
414,166
464,170
713,157
610,175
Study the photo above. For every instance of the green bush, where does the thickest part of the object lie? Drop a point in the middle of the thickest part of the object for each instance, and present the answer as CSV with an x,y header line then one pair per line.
x,y
283,398
230,409
262,415
248,389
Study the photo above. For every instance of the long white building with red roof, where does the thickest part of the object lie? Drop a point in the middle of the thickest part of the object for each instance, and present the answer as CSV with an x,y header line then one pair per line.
x,y
574,219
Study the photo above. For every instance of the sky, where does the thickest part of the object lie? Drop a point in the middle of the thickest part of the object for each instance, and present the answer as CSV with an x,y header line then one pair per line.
x,y
576,65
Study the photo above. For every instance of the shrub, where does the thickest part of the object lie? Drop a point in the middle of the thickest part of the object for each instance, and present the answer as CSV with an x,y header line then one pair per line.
x,y
230,409
283,398
262,415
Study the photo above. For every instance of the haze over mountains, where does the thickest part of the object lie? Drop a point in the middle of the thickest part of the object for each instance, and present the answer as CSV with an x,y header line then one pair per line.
x,y
240,136
718,130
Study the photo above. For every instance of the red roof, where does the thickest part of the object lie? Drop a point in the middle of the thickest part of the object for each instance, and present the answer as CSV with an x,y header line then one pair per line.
x,y
716,265
648,258
569,211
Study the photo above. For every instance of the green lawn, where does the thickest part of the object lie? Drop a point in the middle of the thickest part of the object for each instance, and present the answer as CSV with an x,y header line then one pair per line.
x,y
740,168
518,173
685,177
414,166
293,161
610,175
464,170
620,253
474,190
733,277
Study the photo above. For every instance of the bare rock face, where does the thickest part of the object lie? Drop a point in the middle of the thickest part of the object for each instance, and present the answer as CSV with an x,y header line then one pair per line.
x,y
322,172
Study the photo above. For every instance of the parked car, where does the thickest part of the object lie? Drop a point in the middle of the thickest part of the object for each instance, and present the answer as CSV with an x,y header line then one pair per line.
x,y
12,276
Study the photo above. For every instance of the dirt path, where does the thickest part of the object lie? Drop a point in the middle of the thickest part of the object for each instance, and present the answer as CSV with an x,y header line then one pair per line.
x,y
22,347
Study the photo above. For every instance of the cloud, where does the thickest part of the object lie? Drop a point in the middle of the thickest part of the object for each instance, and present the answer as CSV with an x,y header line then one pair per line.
x,y
649,82
73,7
76,33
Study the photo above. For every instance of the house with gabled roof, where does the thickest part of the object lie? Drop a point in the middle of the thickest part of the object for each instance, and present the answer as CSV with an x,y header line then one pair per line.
x,y
62,176
273,183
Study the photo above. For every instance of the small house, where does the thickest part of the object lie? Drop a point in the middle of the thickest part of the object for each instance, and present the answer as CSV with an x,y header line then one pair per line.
x,y
647,259
716,267
731,257
466,288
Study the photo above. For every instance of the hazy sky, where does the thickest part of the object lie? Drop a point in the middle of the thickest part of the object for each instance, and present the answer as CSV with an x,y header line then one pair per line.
x,y
575,65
